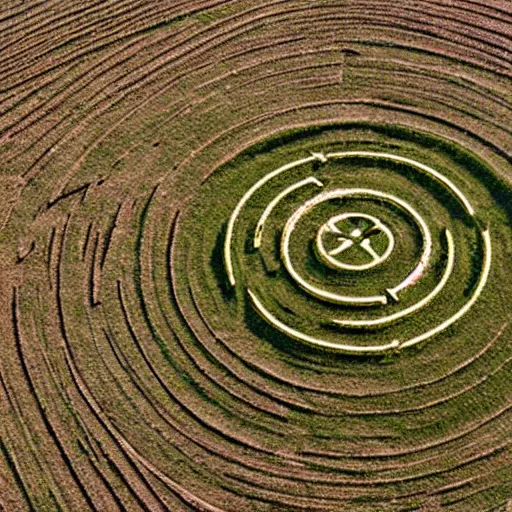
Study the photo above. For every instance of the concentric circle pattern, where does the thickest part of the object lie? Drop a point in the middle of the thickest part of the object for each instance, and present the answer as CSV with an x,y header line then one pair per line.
x,y
358,236
255,256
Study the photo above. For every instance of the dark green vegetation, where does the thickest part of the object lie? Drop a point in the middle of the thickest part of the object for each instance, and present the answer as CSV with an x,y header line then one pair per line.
x,y
262,270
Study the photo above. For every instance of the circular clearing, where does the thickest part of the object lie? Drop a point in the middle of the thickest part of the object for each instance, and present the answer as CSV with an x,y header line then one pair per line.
x,y
328,195
353,241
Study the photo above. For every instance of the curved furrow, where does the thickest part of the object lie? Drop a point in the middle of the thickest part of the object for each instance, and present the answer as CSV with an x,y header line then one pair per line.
x,y
254,256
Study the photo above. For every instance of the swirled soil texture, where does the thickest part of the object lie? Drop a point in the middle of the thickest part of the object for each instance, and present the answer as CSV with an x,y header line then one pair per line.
x,y
255,255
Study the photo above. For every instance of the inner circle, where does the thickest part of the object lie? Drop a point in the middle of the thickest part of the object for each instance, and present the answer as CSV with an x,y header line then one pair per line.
x,y
336,298
350,237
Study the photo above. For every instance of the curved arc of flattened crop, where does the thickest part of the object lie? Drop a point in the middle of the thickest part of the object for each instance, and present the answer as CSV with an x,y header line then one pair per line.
x,y
258,232
432,172
486,268
293,333
228,261
368,324
341,193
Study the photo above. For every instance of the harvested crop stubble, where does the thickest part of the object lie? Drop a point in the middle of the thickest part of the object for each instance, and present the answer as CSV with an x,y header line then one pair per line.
x,y
144,364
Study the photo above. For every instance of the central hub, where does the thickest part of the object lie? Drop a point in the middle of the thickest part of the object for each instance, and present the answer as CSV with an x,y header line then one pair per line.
x,y
354,241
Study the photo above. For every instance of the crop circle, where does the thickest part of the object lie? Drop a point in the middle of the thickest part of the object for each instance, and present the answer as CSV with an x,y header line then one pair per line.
x,y
254,256
356,237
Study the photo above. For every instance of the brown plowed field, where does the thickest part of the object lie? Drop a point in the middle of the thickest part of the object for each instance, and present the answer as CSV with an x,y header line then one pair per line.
x,y
131,376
